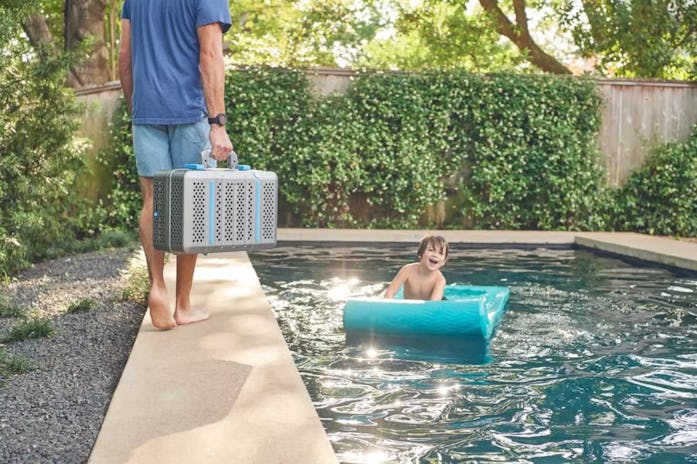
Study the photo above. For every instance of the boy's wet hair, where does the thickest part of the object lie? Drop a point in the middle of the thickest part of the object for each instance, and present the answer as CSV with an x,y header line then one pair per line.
x,y
437,241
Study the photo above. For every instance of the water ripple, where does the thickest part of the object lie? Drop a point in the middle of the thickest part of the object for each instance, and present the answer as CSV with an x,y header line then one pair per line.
x,y
595,360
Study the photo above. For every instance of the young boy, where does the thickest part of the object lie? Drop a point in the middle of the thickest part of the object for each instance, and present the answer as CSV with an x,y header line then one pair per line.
x,y
423,280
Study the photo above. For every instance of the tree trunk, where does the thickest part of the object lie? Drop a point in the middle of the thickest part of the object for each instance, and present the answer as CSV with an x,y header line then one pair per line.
x,y
520,35
37,30
84,20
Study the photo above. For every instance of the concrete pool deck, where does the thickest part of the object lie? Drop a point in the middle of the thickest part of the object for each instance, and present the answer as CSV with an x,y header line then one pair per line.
x,y
227,390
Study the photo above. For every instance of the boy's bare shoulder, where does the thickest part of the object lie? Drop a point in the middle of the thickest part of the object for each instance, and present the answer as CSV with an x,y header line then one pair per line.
x,y
409,267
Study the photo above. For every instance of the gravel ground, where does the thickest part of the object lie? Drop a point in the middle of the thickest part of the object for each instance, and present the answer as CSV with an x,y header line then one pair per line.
x,y
53,413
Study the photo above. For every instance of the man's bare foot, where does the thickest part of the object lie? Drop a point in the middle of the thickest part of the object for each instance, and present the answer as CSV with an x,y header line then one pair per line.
x,y
159,309
190,316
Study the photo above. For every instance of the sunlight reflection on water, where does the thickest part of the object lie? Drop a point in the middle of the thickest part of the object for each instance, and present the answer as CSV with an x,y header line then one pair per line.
x,y
594,361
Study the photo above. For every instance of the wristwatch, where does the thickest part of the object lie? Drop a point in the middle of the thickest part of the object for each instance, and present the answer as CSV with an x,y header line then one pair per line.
x,y
220,119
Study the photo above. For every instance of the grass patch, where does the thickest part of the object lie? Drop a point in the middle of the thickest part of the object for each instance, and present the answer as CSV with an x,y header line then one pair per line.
x,y
7,309
138,285
13,364
82,306
31,328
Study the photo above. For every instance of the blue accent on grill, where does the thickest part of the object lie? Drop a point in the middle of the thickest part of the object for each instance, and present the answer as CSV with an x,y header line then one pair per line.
x,y
257,209
211,214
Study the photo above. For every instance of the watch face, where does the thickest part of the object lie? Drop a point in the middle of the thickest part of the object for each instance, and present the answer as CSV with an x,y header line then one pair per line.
x,y
220,119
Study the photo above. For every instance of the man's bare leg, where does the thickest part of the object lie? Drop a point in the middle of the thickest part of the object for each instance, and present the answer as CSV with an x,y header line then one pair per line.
x,y
183,312
157,298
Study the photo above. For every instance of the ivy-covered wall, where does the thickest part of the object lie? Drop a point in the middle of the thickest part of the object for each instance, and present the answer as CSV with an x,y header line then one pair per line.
x,y
439,149
446,149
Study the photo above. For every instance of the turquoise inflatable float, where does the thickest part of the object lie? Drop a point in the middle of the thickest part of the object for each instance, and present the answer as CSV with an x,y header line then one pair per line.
x,y
468,311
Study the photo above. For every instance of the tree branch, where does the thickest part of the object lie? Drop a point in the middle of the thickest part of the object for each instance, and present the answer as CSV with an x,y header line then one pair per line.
x,y
37,30
519,34
521,17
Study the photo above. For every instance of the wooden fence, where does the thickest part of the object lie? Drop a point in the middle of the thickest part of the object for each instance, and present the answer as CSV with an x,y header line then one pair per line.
x,y
637,115
100,105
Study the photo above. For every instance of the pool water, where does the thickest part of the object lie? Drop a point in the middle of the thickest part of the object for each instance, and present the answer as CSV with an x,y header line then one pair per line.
x,y
595,359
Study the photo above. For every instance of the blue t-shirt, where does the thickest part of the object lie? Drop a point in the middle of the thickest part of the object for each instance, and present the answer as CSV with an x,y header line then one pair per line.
x,y
165,57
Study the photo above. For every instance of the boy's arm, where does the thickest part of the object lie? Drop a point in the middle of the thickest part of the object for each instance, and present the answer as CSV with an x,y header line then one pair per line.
x,y
397,282
438,288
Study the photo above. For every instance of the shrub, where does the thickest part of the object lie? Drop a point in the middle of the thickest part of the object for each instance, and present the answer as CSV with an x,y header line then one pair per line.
x,y
41,159
124,201
659,197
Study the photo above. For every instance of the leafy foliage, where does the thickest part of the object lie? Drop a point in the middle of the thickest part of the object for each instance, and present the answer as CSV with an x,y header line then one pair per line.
x,y
285,33
505,151
122,210
533,161
266,107
12,12
41,159
8,309
405,124
137,286
639,38
659,198
440,34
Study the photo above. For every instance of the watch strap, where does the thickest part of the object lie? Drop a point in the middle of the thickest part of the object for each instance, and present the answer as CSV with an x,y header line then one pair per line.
x,y
220,119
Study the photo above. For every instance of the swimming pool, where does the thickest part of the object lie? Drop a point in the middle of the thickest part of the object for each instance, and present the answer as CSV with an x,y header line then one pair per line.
x,y
595,359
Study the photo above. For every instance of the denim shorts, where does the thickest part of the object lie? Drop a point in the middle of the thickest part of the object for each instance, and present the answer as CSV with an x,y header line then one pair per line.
x,y
164,147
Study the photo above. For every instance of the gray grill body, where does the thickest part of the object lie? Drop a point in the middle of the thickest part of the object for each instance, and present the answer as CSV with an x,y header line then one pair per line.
x,y
214,210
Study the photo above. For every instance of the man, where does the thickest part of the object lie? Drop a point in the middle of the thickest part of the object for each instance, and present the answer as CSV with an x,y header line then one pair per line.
x,y
173,77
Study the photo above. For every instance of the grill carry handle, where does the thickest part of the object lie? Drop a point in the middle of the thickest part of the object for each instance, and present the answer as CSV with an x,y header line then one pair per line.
x,y
209,162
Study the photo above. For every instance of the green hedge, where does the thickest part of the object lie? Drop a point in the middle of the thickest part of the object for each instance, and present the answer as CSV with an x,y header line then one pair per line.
x,y
502,151
497,151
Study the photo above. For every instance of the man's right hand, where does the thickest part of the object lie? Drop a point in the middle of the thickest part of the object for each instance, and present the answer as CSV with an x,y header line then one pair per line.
x,y
221,146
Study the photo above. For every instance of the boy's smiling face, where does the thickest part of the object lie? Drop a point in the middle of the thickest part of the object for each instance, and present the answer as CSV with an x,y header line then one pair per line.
x,y
433,258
